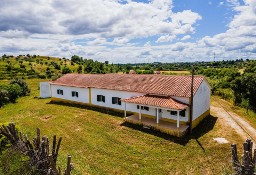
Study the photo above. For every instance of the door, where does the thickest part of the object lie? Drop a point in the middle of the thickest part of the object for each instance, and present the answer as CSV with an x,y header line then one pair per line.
x,y
160,111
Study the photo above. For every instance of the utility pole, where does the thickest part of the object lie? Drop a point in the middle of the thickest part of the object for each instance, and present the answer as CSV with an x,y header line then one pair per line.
x,y
214,56
191,102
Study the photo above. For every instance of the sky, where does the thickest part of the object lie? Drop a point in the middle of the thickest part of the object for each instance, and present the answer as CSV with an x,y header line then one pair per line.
x,y
130,31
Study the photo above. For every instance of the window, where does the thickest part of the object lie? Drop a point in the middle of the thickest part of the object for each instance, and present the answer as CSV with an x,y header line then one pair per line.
x,y
143,108
146,108
173,112
101,98
74,94
116,100
59,91
183,113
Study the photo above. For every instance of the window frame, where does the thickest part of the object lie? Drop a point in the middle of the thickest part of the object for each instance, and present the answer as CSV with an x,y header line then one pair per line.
x,y
175,113
181,113
101,98
74,94
116,101
60,92
146,108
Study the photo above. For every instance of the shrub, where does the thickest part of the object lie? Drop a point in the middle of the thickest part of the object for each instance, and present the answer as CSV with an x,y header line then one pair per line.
x,y
3,97
79,69
13,162
42,76
66,70
4,144
23,85
22,66
14,91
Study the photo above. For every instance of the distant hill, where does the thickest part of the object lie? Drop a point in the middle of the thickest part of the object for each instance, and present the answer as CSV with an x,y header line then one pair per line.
x,y
35,66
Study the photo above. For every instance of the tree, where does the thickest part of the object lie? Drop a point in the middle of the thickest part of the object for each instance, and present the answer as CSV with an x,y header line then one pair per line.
x,y
76,59
23,85
9,67
14,91
48,72
66,70
79,69
88,69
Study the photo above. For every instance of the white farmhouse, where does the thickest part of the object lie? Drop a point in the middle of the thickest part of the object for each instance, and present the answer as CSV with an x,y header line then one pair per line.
x,y
159,101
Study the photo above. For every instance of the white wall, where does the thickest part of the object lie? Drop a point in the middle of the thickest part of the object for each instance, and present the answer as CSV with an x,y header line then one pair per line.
x,y
83,93
182,99
166,114
201,101
84,97
45,90
129,106
113,93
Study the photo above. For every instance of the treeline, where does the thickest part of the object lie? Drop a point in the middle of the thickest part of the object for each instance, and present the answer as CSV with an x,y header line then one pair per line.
x,y
244,87
180,66
9,93
235,83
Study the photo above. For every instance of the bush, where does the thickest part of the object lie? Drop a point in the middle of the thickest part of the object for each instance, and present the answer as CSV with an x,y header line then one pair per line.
x,y
4,144
14,91
3,97
66,70
79,69
42,76
13,162
23,85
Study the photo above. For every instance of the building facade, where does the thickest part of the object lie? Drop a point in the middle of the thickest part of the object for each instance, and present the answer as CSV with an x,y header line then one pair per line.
x,y
152,98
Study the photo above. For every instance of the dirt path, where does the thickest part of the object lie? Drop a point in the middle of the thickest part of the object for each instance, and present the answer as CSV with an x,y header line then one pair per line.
x,y
240,125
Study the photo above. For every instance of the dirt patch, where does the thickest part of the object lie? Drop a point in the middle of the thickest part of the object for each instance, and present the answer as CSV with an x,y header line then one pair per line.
x,y
228,121
235,121
46,118
221,140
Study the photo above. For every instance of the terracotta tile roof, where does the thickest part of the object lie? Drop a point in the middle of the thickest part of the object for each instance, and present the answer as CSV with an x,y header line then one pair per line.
x,y
159,101
169,85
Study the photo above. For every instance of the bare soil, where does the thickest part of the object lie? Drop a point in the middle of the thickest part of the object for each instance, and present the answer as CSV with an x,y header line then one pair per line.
x,y
233,120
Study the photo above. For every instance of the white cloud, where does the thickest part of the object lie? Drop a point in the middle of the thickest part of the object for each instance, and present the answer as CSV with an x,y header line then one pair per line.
x,y
233,2
109,30
102,17
186,37
121,40
165,38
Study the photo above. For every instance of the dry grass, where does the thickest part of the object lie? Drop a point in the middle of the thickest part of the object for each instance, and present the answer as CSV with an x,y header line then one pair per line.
x,y
249,116
101,143
178,72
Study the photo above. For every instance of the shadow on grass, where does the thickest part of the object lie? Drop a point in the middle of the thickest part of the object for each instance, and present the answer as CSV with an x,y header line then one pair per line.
x,y
203,128
93,108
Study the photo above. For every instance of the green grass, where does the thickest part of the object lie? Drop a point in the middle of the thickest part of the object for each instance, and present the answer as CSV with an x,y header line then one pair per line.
x,y
101,143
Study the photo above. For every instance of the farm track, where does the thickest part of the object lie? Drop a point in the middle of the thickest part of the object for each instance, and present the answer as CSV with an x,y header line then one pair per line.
x,y
240,125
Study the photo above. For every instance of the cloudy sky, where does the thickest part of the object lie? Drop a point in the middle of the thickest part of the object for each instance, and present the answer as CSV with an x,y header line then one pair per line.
x,y
130,31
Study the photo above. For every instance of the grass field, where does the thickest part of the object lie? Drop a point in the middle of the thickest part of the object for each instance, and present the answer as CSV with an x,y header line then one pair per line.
x,y
177,72
101,143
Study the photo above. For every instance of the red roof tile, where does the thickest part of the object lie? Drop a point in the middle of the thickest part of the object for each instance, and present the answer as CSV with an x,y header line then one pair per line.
x,y
159,101
169,85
